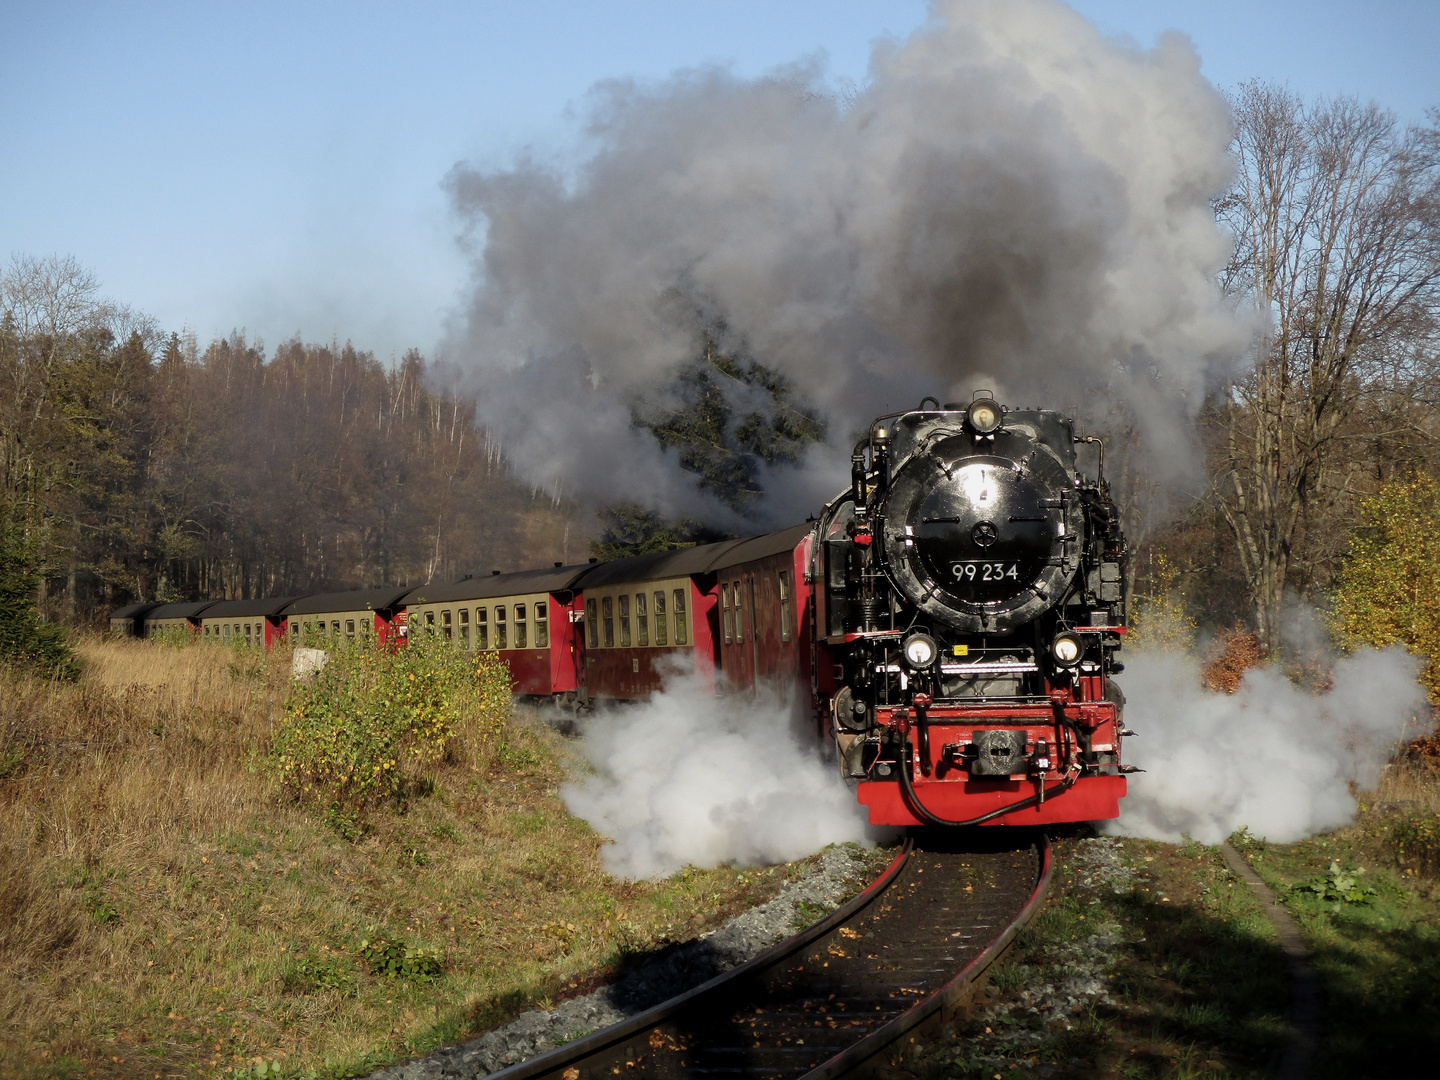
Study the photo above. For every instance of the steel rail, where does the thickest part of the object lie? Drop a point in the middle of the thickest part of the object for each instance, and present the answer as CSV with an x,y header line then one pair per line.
x,y
753,1020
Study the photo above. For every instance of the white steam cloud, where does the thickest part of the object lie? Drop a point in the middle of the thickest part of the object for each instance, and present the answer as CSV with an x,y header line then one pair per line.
x,y
689,778
1012,201
1272,757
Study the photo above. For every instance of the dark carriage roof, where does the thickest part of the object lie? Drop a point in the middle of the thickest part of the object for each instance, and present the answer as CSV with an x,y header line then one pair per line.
x,y
549,580
761,547
178,611
133,611
243,609
684,562
357,600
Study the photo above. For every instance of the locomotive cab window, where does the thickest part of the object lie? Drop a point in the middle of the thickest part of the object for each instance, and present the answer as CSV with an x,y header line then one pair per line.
x,y
682,634
660,626
739,613
542,625
500,628
607,607
592,624
642,621
725,619
482,628
520,627
624,622
785,614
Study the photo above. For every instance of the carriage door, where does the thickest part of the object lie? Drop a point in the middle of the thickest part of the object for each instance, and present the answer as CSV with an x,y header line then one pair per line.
x,y
754,626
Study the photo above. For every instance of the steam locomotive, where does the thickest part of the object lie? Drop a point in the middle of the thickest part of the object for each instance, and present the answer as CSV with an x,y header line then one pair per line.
x,y
970,603
949,623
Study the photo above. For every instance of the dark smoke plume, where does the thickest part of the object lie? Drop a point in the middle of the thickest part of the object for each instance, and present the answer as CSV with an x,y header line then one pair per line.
x,y
1011,202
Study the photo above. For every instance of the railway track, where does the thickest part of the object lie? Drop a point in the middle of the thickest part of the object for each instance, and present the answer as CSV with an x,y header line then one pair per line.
x,y
898,957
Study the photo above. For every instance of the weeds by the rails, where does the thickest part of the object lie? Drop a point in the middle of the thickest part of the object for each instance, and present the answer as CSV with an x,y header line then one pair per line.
x,y
164,909
1375,952
1170,968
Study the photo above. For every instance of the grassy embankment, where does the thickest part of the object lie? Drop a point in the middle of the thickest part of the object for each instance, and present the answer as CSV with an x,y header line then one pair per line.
x,y
167,909
1198,986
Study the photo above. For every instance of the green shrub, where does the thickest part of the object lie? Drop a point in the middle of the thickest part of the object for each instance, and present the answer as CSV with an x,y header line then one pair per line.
x,y
393,960
373,722
316,971
1340,885
1415,839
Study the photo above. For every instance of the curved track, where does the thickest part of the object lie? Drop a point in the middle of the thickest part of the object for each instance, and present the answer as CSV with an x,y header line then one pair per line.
x,y
824,1003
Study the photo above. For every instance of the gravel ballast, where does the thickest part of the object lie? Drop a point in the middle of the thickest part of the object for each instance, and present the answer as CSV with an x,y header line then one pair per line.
x,y
837,874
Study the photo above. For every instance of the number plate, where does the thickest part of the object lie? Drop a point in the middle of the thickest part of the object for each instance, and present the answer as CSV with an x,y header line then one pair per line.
x,y
969,570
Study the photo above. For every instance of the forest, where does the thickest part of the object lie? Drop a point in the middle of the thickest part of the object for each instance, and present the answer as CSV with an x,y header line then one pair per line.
x,y
135,464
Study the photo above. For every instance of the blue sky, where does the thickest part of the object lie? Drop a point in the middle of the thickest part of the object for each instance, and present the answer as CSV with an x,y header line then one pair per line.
x,y
279,166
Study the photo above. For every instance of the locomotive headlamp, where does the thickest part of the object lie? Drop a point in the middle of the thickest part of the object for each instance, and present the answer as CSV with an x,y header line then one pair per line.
x,y
920,650
983,416
1066,649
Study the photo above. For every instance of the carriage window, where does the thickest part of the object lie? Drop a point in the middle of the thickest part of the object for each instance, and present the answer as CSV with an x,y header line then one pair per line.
x,y
785,614
335,627
607,606
349,627
681,636
294,630
642,621
482,629
624,622
592,623
725,621
465,627
500,642
225,632
739,613
446,627
542,625
520,625
247,629
660,617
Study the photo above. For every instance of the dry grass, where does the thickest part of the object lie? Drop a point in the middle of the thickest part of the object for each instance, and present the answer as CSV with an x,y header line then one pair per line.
x,y
164,912
1412,784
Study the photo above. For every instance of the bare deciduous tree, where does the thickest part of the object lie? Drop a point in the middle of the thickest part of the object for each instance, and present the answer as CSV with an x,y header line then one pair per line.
x,y
1336,214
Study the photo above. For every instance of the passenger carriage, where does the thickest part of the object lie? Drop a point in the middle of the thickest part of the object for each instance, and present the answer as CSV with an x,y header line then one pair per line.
x,y
254,622
359,615
646,612
128,621
764,606
531,618
174,617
